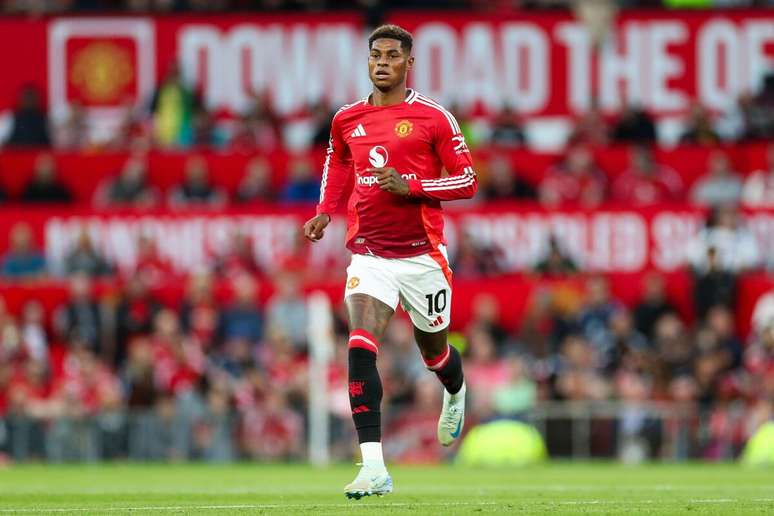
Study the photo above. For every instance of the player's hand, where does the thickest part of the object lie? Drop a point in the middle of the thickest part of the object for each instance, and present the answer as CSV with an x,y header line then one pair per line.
x,y
389,180
314,228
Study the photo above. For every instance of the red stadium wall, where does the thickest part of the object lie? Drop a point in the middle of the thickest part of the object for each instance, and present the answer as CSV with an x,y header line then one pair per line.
x,y
83,172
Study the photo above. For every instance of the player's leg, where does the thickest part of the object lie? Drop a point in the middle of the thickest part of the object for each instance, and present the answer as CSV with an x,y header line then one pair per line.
x,y
445,361
426,296
371,298
368,319
441,358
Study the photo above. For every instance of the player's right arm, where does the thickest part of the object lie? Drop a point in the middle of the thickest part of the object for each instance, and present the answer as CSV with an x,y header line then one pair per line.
x,y
333,187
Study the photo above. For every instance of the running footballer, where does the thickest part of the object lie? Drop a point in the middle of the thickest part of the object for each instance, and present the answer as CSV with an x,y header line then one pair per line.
x,y
394,146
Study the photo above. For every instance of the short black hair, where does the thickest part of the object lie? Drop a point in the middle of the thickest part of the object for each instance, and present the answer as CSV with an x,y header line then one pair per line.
x,y
392,32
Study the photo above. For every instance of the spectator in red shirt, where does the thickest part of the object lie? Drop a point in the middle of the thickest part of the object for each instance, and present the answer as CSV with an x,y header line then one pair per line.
x,y
179,361
575,181
153,269
199,311
647,182
134,314
238,258
590,129
256,183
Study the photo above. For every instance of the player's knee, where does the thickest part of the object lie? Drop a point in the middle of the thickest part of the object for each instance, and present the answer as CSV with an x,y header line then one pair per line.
x,y
431,345
368,314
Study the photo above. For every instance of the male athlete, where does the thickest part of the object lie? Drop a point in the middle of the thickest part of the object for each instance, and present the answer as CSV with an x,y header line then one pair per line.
x,y
393,145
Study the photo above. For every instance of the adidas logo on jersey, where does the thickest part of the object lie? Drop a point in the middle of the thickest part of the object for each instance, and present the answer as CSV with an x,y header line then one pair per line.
x,y
359,131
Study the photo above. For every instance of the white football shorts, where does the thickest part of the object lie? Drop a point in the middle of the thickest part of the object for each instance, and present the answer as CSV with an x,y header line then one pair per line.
x,y
422,285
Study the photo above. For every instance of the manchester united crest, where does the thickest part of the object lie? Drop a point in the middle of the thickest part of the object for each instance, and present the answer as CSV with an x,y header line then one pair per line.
x,y
353,282
403,128
102,70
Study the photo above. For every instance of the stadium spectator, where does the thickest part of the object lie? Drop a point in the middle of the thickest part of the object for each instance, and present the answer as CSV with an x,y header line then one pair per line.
x,y
720,185
30,123
199,310
699,129
503,182
242,319
514,398
719,332
179,361
627,348
259,128
238,258
645,182
130,188
758,189
506,129
321,118
271,430
33,331
73,132
733,245
141,389
286,310
84,258
578,375
205,132
594,320
81,317
474,258
134,315
576,181
762,122
172,108
714,285
486,317
555,262
653,305
196,189
590,129
484,373
635,126
256,183
152,267
303,185
44,187
22,260
736,124
131,132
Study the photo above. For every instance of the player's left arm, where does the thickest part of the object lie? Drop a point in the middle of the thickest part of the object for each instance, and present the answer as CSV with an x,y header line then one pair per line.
x,y
450,146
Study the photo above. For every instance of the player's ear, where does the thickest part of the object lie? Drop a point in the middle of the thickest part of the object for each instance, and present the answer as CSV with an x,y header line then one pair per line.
x,y
410,63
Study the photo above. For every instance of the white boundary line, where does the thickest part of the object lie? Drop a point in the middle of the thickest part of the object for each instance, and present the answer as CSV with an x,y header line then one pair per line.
x,y
365,505
352,504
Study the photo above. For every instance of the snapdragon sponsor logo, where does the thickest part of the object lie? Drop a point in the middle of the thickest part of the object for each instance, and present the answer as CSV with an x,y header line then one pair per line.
x,y
370,180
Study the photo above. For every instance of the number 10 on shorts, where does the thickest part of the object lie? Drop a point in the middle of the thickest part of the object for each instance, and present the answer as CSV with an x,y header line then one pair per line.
x,y
436,303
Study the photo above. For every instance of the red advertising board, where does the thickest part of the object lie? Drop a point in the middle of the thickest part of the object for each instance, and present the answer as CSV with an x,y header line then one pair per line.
x,y
542,64
608,240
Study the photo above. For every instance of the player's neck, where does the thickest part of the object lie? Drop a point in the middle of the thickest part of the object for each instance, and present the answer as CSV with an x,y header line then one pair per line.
x,y
389,98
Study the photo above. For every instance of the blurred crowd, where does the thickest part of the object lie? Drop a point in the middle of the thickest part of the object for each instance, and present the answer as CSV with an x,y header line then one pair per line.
x,y
165,6
574,180
217,370
175,118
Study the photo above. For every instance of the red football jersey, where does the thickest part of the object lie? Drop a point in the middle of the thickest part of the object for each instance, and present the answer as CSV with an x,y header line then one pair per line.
x,y
418,138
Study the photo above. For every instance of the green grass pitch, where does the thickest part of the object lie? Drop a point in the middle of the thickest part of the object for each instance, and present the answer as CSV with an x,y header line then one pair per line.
x,y
556,488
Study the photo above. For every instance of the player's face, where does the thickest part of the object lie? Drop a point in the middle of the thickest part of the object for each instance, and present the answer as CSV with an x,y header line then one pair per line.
x,y
388,63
